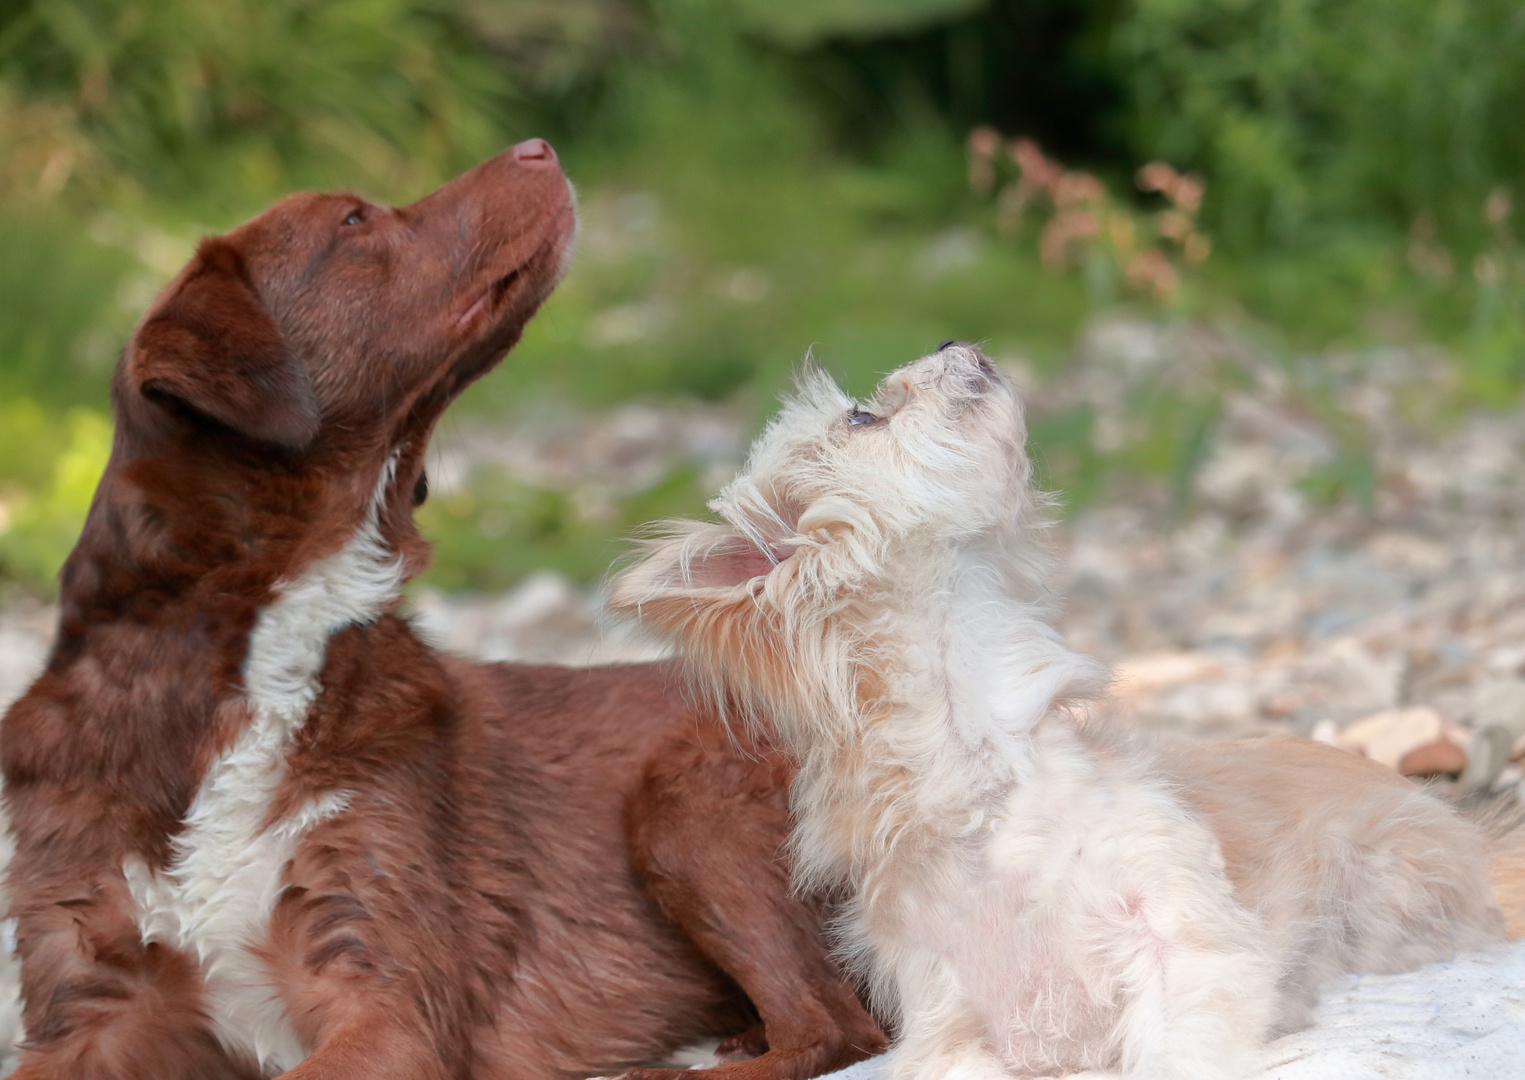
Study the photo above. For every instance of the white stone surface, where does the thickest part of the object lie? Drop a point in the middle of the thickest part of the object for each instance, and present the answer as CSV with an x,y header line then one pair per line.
x,y
1464,1018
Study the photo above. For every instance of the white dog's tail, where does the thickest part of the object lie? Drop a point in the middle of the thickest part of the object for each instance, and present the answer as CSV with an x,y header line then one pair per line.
x,y
1505,824
1508,872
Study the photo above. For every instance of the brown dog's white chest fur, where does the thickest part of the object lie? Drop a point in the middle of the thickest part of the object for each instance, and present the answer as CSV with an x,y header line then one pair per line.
x,y
214,901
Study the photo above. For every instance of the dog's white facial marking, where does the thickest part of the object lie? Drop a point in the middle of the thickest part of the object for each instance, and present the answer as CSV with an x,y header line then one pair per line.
x,y
216,898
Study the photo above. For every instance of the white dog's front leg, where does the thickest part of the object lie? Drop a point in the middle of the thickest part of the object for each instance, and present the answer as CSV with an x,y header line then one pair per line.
x,y
1198,995
941,1036
929,1056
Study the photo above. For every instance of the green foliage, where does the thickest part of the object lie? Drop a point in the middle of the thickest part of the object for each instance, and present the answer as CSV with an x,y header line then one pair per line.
x,y
1348,476
1063,448
228,104
489,536
803,22
41,521
60,320
761,178
1317,117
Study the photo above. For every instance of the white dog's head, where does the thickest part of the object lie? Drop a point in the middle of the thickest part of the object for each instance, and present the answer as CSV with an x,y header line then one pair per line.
x,y
936,455
845,513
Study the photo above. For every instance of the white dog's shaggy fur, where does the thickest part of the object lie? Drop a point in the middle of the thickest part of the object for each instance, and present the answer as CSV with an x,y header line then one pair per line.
x,y
1030,895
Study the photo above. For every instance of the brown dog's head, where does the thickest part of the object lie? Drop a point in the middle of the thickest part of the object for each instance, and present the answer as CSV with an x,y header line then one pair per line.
x,y
324,338
328,310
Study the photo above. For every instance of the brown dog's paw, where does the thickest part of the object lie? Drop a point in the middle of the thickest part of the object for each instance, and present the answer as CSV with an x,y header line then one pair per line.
x,y
792,1064
748,1044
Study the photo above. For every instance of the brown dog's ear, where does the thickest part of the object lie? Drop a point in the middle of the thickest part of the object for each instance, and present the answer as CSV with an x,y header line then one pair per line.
x,y
212,347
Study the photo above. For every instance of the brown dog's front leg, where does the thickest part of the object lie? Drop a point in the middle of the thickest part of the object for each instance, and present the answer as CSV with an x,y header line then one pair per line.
x,y
368,1008
733,899
102,1005
365,1022
373,1043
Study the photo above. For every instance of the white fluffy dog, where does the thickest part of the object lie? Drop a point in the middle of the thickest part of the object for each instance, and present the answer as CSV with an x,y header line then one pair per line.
x,y
1029,895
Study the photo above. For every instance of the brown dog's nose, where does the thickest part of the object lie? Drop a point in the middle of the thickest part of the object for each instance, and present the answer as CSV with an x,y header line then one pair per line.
x,y
535,150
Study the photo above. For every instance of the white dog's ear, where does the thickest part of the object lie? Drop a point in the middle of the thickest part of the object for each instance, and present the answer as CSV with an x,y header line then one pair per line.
x,y
692,557
679,575
725,562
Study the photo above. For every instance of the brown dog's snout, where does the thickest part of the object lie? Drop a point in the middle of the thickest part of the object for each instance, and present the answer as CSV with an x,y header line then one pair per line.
x,y
535,151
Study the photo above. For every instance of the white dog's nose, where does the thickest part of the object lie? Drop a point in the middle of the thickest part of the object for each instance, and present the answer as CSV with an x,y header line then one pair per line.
x,y
957,357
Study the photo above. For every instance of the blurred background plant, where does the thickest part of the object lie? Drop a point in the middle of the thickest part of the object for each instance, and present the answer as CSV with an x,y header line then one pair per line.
x,y
763,176
1085,225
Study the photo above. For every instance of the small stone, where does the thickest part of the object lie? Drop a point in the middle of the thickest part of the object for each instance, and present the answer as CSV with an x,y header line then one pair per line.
x,y
1487,756
1439,758
1281,705
1501,702
1149,672
1388,735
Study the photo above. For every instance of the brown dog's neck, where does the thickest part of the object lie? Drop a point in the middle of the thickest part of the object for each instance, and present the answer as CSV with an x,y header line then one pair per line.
x,y
192,535
177,632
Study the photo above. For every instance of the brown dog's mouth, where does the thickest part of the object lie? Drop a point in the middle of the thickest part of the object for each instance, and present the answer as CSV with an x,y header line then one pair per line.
x,y
500,287
492,299
489,299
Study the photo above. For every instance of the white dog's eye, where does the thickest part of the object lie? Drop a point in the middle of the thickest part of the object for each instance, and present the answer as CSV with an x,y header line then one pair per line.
x,y
858,418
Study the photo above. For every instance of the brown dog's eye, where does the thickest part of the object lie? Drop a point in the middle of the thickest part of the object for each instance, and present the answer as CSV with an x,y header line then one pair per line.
x,y
421,489
859,418
354,218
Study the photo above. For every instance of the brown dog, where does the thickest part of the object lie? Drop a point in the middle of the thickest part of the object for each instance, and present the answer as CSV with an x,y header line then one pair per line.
x,y
260,826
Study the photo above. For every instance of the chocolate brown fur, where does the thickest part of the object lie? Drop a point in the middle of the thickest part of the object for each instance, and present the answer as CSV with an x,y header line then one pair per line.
x,y
530,871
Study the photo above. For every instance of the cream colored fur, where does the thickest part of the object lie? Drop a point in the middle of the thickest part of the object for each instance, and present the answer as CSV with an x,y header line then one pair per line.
x,y
1029,895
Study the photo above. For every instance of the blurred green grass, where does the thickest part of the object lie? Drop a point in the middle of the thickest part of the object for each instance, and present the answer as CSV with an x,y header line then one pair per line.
x,y
758,180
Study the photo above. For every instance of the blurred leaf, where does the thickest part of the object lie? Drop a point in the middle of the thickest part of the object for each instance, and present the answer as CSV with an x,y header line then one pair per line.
x,y
43,526
60,328
30,441
804,22
274,92
1493,364
1347,477
556,44
1064,455
1313,117
491,534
